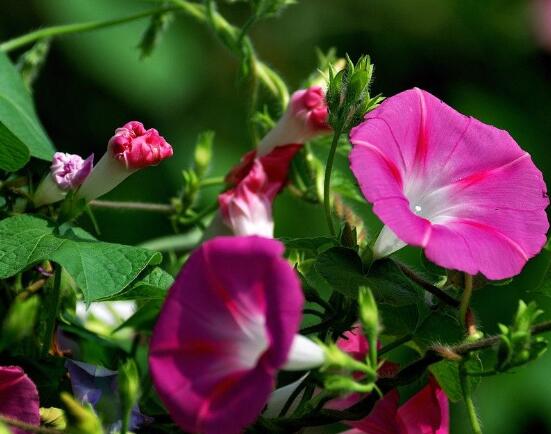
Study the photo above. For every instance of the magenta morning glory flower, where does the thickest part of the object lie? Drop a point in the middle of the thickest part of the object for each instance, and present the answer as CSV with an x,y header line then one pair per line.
x,y
130,149
67,172
462,190
18,397
228,325
426,412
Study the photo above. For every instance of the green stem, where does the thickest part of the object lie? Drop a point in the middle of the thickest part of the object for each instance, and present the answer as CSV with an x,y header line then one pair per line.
x,y
178,242
468,397
466,299
28,427
66,29
209,182
133,206
54,297
395,344
327,181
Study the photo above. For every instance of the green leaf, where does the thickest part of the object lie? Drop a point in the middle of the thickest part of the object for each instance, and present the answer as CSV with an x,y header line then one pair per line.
x,y
144,319
152,286
442,327
13,153
101,270
401,302
18,117
447,375
314,245
342,269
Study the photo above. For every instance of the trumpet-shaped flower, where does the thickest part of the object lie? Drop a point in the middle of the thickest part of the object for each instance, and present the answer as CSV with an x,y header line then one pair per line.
x,y
130,149
228,325
426,412
305,118
246,208
18,397
67,172
462,190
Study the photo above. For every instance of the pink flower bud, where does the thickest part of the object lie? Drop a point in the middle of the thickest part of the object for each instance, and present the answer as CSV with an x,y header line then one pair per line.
x,y
246,208
138,147
304,119
67,172
130,149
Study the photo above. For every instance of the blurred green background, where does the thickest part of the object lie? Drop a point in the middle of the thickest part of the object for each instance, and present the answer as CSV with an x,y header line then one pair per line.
x,y
482,57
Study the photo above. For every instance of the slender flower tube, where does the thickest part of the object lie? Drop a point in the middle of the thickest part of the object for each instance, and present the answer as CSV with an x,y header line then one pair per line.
x,y
67,172
462,190
246,208
305,118
18,397
130,149
228,325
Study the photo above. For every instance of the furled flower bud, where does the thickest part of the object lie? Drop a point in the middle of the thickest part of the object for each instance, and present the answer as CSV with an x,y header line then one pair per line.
x,y
130,149
67,172
305,118
247,207
137,147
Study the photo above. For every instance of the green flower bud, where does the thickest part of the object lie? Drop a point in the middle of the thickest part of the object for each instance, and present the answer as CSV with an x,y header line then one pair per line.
x,y
129,390
203,153
369,317
81,419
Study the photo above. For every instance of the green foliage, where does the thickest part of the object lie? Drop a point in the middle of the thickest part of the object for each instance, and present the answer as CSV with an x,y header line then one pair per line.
x,y
129,391
21,133
81,418
19,322
30,63
100,270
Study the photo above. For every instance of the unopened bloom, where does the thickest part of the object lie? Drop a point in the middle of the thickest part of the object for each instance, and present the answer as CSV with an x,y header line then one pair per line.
x,y
228,325
246,208
130,149
18,397
463,190
304,119
67,172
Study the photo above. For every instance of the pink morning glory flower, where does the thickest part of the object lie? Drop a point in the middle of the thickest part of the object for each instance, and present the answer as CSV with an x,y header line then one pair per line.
x,y
228,325
130,149
67,172
462,190
246,208
18,397
305,118
426,412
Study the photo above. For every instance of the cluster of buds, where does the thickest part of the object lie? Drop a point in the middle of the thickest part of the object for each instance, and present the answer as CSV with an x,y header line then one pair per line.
x,y
130,149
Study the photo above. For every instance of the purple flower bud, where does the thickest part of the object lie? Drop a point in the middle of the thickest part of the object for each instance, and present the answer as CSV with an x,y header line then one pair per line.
x,y
69,170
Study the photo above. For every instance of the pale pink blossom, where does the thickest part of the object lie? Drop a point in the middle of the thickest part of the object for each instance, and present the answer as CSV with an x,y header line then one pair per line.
x,y
67,172
462,190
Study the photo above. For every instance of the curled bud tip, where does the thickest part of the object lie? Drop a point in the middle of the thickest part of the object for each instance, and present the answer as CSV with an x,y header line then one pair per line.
x,y
69,170
309,105
137,147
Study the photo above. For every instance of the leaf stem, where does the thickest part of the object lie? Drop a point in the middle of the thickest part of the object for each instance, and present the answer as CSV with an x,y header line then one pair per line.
x,y
427,286
66,29
55,299
466,299
209,182
327,180
395,344
133,206
468,397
